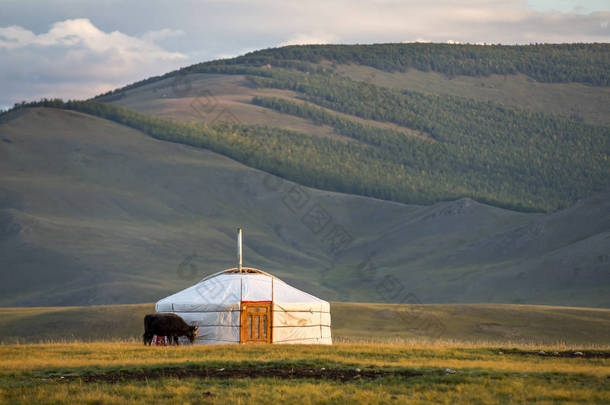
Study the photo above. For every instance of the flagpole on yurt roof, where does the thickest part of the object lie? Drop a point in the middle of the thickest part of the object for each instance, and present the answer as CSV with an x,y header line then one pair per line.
x,y
239,249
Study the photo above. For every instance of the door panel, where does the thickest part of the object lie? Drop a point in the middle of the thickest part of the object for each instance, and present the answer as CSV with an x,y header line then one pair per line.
x,y
256,322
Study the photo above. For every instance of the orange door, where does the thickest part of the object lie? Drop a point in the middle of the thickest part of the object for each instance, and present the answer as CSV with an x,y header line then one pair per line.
x,y
256,322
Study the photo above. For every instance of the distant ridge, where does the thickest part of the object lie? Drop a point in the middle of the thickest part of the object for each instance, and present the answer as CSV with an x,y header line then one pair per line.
x,y
578,62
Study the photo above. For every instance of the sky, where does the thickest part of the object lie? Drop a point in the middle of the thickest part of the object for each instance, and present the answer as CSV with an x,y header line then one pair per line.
x,y
77,49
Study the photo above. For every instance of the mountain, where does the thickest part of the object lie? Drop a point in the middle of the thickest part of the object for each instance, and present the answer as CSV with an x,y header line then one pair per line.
x,y
95,212
401,173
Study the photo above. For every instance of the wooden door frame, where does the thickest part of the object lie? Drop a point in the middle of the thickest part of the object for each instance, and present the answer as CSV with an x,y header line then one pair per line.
x,y
243,321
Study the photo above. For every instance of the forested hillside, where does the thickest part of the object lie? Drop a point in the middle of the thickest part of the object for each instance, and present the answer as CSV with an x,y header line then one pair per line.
x,y
505,157
402,145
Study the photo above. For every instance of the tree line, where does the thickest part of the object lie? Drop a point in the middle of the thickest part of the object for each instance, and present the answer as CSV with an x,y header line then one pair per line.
x,y
583,63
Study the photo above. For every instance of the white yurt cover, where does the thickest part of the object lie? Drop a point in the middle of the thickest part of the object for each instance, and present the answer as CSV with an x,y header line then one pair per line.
x,y
214,305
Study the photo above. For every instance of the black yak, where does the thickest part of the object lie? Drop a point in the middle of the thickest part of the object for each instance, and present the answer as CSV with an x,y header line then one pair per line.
x,y
170,325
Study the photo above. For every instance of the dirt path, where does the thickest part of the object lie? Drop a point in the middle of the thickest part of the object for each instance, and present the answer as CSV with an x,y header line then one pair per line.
x,y
245,372
585,354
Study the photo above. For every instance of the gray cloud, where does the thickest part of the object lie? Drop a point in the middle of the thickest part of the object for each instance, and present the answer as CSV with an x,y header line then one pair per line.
x,y
76,59
76,48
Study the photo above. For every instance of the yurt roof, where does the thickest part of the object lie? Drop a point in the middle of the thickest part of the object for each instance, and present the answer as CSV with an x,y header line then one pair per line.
x,y
244,270
227,289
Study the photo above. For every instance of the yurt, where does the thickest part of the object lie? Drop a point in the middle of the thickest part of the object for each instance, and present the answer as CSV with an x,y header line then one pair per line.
x,y
246,305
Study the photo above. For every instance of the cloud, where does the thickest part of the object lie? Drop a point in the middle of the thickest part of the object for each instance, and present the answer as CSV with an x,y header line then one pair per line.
x,y
316,38
15,37
159,35
575,6
81,33
359,21
76,59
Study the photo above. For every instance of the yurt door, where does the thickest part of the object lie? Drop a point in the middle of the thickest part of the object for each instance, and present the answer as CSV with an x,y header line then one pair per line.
x,y
256,322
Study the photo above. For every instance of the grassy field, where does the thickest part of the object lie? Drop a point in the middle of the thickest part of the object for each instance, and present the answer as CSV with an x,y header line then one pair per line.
x,y
383,353
130,373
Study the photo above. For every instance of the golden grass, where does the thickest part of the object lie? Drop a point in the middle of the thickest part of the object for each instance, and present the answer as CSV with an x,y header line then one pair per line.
x,y
427,342
377,336
191,391
31,374
234,93
23,358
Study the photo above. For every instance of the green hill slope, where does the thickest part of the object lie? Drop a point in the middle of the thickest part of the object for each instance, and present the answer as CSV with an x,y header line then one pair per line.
x,y
93,212
573,100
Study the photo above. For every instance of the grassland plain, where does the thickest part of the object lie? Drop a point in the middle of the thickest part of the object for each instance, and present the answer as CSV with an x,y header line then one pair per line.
x,y
127,372
383,353
489,324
